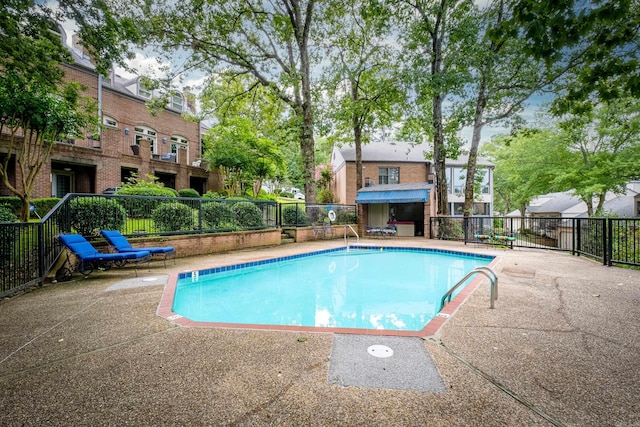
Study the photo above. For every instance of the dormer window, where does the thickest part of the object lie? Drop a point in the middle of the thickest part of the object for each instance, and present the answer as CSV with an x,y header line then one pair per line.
x,y
144,93
176,102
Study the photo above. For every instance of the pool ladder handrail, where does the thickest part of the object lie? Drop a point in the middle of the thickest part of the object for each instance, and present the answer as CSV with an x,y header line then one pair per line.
x,y
346,237
493,278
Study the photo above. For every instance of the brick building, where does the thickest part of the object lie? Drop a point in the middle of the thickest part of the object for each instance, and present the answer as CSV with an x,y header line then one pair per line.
x,y
398,185
131,140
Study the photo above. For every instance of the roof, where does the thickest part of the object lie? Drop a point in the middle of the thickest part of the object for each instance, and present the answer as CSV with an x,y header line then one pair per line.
x,y
407,152
553,203
388,152
395,193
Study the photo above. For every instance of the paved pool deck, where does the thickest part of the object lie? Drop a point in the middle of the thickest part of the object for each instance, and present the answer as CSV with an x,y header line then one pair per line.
x,y
562,347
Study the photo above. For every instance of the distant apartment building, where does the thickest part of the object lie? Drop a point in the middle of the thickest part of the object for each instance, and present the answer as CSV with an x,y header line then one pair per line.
x,y
130,141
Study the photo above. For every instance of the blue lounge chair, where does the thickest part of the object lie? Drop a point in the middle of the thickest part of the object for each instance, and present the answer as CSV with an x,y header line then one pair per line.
x,y
88,257
121,244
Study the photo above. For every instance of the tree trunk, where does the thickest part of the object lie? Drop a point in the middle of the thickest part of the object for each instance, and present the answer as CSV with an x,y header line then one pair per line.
x,y
357,137
439,157
481,103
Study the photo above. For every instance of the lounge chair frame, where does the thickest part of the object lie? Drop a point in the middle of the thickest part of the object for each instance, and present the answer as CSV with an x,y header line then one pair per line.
x,y
120,244
85,258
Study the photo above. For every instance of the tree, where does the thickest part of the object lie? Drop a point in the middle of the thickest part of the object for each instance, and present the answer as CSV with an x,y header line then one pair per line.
x,y
526,164
34,118
362,83
437,40
269,40
36,107
603,32
244,156
605,151
239,102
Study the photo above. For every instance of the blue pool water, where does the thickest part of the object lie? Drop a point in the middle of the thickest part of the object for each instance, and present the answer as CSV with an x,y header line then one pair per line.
x,y
389,288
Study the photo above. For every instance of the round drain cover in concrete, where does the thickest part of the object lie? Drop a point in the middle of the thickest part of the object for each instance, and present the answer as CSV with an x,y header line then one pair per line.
x,y
380,351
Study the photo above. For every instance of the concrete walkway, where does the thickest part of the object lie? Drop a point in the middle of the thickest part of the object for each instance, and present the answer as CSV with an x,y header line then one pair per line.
x,y
562,347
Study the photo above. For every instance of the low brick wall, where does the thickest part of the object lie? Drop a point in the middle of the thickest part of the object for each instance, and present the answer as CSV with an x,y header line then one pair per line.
x,y
304,234
203,244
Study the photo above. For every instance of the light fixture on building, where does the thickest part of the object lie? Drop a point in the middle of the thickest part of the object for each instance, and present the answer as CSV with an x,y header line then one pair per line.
x,y
164,140
67,169
126,131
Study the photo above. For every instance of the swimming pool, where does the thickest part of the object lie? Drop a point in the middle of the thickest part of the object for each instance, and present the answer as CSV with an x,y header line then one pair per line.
x,y
364,288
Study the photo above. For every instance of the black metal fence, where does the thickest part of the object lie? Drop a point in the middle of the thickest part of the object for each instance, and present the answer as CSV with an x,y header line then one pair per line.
x,y
609,240
28,251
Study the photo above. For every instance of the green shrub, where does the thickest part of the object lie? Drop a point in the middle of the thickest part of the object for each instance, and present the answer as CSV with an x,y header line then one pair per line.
x,y
188,192
211,195
89,215
138,207
217,215
292,215
172,217
12,203
43,206
344,216
248,214
325,196
7,214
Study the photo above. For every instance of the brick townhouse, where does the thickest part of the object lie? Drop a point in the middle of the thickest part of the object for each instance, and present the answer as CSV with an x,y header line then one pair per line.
x,y
131,140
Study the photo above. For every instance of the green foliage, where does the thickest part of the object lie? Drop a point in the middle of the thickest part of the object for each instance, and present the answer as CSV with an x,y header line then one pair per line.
x,y
140,207
7,214
293,215
344,216
44,113
217,215
235,145
248,215
188,192
13,203
89,215
326,196
172,217
44,205
213,195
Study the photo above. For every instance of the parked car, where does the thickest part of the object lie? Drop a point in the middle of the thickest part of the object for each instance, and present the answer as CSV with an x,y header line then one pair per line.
x,y
298,196
111,190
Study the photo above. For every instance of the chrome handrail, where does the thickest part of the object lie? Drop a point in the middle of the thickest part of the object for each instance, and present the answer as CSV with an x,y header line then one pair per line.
x,y
493,278
346,238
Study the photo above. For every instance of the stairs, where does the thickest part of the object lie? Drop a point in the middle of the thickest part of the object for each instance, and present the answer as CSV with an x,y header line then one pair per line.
x,y
285,237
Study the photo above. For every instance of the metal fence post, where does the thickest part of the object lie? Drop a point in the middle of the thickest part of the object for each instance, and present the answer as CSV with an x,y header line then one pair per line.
x,y
41,252
608,253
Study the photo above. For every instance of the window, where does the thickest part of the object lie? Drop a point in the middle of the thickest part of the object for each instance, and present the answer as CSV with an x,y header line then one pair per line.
x,y
178,143
388,175
638,208
109,122
144,133
176,102
144,93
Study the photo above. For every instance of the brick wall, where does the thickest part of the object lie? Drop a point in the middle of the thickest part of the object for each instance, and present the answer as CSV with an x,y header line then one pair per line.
x,y
409,173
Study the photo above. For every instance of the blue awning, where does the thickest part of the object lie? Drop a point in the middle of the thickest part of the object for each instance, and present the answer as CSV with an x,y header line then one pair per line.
x,y
393,196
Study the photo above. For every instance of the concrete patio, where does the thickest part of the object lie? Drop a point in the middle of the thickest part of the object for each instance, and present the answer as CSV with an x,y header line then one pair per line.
x,y
560,348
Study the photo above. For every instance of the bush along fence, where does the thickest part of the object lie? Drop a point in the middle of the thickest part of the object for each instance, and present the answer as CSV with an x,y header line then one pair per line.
x,y
28,251
609,240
